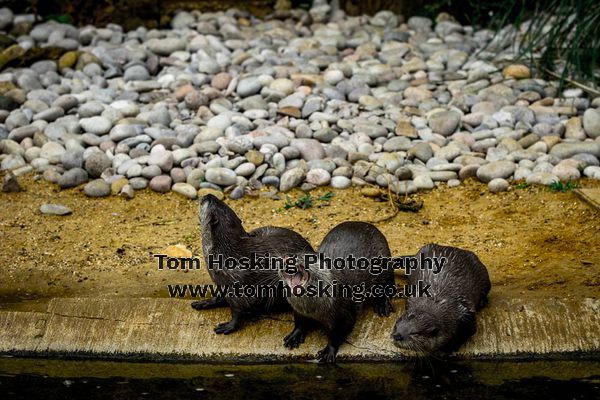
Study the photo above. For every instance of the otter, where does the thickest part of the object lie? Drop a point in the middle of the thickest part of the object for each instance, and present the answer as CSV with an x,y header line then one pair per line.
x,y
223,234
441,323
337,314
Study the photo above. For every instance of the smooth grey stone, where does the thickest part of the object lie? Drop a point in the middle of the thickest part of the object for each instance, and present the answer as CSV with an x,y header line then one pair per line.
x,y
245,169
220,176
29,82
444,122
291,178
97,163
442,176
97,188
327,165
72,158
73,177
163,159
161,183
134,171
248,86
240,144
209,146
185,190
13,161
237,193
423,182
586,159
55,209
138,183
177,175
397,143
541,178
23,132
421,151
52,151
591,122
136,73
325,135
592,171
310,149
97,125
341,182
567,150
8,146
271,181
159,115
66,102
166,46
195,177
6,18
497,169
253,103
311,105
372,130
151,171
50,114
17,119
90,109
276,138
318,177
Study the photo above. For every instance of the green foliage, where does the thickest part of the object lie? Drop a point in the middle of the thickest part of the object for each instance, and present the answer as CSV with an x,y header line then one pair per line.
x,y
522,185
561,37
305,201
326,197
471,12
562,187
65,19
304,4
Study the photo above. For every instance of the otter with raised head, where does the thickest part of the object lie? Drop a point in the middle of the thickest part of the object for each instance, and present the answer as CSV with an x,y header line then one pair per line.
x,y
223,234
441,323
337,314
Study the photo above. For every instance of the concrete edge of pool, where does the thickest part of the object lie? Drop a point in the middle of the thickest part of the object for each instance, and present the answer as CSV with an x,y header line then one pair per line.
x,y
169,330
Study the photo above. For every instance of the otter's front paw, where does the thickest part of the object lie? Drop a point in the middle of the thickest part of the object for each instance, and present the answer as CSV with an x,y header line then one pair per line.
x,y
226,328
294,339
384,308
201,305
327,355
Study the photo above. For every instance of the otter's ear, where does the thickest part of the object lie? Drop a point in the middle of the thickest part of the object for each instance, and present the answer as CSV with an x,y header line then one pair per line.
x,y
465,305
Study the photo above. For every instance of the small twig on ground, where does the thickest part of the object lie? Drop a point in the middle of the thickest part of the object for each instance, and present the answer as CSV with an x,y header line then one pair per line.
x,y
169,222
397,205
574,83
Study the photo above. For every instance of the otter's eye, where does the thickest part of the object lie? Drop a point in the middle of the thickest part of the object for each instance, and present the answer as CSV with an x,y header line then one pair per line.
x,y
432,331
410,317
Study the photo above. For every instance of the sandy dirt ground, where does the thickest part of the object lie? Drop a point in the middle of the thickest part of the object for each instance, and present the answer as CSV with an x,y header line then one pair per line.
x,y
535,242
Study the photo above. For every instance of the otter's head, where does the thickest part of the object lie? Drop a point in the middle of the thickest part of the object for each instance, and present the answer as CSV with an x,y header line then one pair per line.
x,y
295,274
217,217
423,328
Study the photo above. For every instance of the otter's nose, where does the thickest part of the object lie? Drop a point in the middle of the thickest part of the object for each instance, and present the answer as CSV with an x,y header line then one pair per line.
x,y
400,333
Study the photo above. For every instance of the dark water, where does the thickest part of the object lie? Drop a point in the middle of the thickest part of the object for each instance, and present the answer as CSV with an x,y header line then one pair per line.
x,y
51,379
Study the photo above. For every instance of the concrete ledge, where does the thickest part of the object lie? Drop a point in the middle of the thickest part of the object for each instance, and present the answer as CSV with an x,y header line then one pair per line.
x,y
168,329
590,196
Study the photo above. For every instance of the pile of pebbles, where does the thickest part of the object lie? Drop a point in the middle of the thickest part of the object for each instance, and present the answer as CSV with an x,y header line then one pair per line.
x,y
228,102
